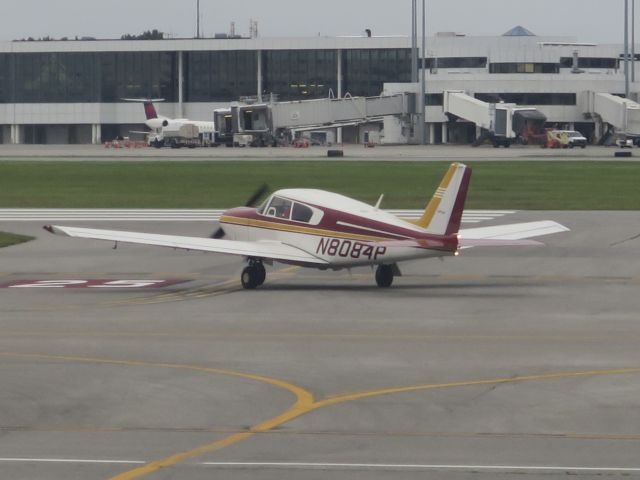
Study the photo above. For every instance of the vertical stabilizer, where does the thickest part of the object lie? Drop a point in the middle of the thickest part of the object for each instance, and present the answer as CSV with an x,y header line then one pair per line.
x,y
150,110
443,214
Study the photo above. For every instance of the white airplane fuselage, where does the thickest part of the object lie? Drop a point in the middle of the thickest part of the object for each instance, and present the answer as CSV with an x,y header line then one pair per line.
x,y
341,231
174,124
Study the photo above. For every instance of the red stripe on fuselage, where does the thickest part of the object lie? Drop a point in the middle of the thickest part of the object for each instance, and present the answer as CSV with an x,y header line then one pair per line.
x,y
329,223
456,215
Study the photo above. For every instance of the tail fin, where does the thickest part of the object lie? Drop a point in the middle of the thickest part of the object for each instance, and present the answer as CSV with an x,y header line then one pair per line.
x,y
150,110
443,214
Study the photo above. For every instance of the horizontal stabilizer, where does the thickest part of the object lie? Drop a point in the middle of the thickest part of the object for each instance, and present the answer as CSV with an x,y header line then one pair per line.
x,y
515,231
143,100
489,242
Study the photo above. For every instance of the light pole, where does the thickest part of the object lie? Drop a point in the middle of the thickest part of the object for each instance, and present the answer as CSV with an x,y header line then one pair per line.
x,y
198,19
414,41
626,48
423,116
633,40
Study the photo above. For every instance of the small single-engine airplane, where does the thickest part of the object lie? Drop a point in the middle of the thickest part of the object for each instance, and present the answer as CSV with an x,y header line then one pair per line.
x,y
318,229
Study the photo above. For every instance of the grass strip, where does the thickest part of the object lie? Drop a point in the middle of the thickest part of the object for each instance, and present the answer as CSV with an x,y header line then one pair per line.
x,y
537,185
8,239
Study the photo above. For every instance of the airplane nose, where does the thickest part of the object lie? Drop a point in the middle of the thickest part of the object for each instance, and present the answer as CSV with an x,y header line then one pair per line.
x,y
219,232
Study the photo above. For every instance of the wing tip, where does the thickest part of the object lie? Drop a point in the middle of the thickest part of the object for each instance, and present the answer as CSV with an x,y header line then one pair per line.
x,y
55,230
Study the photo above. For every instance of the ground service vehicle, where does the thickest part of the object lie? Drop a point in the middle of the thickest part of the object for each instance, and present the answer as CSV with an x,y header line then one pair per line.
x,y
565,139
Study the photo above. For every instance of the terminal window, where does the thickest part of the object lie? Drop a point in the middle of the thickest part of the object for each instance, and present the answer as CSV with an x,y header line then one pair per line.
x,y
529,98
524,67
591,62
455,62
300,74
366,70
220,75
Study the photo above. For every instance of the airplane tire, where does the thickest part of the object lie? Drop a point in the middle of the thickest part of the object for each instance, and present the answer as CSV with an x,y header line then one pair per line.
x,y
261,273
384,276
249,278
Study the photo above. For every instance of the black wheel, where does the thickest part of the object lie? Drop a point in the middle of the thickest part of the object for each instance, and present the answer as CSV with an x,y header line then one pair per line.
x,y
384,276
249,277
261,273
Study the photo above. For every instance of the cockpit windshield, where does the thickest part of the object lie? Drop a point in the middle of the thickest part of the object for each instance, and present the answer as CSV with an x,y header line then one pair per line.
x,y
263,207
279,208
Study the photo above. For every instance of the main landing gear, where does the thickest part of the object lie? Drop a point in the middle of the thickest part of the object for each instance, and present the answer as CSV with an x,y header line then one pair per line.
x,y
253,275
384,275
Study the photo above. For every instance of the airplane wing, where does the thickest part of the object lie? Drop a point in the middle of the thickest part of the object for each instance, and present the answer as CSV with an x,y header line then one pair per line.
x,y
262,249
513,234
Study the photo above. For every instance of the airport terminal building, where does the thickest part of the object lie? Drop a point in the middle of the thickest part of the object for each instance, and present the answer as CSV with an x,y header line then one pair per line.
x,y
72,91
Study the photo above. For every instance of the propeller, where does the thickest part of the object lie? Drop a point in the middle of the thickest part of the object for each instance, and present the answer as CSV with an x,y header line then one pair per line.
x,y
251,202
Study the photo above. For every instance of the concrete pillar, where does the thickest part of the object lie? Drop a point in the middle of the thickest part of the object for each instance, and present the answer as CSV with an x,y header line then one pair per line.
x,y
180,84
15,134
445,132
259,75
96,134
572,126
478,131
432,133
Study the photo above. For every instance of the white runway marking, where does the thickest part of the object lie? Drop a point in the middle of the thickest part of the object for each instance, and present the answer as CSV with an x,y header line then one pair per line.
x,y
71,460
382,466
347,466
177,215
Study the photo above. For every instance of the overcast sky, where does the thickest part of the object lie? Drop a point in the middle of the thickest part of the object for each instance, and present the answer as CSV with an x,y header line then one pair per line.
x,y
589,20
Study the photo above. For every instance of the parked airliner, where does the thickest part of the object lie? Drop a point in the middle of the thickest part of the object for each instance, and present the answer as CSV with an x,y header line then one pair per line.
x,y
165,126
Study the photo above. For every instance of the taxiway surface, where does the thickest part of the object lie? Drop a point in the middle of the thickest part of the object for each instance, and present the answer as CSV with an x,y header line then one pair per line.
x,y
507,363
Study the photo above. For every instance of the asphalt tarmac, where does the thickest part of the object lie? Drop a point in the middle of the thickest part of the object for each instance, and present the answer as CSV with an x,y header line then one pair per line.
x,y
446,153
503,363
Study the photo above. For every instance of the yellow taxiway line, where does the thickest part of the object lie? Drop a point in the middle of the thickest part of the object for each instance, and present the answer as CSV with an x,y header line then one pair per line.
x,y
305,402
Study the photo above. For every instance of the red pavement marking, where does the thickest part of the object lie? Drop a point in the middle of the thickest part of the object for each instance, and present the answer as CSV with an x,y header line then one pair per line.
x,y
97,284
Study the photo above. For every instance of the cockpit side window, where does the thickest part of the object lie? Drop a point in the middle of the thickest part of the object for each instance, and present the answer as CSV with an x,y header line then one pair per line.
x,y
301,213
261,209
279,208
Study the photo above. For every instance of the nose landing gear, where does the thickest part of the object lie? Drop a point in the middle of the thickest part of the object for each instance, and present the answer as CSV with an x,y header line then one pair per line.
x,y
253,275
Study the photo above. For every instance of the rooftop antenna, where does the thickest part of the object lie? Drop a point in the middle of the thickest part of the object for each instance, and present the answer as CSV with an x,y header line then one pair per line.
x,y
253,28
232,30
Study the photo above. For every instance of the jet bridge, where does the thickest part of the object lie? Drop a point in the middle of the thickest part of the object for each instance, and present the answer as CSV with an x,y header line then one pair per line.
x,y
622,114
267,120
501,123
